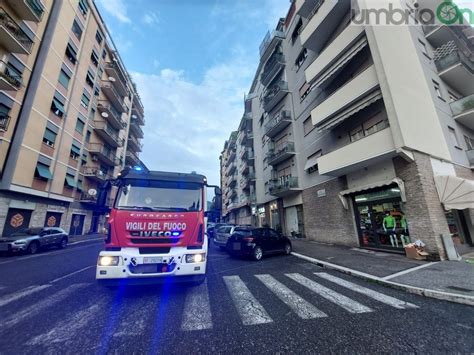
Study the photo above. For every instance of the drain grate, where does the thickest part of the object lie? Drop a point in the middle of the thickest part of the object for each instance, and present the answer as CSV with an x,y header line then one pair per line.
x,y
462,289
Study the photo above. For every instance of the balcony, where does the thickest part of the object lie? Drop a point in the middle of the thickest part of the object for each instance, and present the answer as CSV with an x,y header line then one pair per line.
x,y
131,158
274,95
103,153
114,97
269,44
274,65
231,158
278,123
108,134
4,121
245,183
438,35
12,37
87,198
111,115
29,10
244,167
246,138
306,8
232,181
10,78
367,151
463,111
354,95
283,186
336,55
281,153
326,17
470,157
457,70
135,128
138,115
94,173
134,144
231,169
114,71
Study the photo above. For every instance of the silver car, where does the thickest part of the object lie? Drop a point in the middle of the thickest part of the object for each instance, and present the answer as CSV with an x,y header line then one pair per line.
x,y
31,240
222,234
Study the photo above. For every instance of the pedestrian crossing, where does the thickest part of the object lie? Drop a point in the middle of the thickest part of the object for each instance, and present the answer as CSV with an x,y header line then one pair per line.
x,y
308,297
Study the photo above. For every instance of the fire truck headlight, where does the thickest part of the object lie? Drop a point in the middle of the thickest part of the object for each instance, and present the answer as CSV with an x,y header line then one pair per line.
x,y
195,258
109,260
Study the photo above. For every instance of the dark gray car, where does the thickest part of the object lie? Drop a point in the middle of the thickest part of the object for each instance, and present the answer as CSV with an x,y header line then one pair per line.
x,y
31,240
222,234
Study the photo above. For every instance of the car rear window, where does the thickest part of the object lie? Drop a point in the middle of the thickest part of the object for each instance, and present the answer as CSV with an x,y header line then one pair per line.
x,y
243,231
224,229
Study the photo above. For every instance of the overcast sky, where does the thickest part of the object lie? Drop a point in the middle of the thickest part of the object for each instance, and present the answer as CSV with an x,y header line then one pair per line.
x,y
193,61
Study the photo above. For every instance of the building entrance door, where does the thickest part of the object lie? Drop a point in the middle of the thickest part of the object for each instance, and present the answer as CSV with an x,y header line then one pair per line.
x,y
77,224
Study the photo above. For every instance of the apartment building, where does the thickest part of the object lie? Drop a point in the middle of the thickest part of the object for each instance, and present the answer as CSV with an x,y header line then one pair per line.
x,y
71,116
363,134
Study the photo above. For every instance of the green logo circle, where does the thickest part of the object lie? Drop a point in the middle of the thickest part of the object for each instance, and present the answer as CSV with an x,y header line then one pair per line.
x,y
448,13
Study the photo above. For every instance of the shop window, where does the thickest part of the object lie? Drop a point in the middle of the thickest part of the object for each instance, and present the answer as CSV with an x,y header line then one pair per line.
x,y
83,7
85,100
64,79
94,58
77,30
301,58
49,137
90,78
308,125
98,37
75,152
71,53
80,125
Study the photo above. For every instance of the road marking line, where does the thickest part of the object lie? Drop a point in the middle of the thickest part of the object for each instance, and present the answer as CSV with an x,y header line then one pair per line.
x,y
20,294
72,273
391,301
87,241
250,310
341,300
300,306
40,306
68,328
197,310
408,271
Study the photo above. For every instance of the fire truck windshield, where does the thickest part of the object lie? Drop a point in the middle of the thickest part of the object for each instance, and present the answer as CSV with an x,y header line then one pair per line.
x,y
152,195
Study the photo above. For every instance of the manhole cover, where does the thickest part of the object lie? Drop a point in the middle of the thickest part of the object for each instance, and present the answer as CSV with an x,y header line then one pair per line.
x,y
462,289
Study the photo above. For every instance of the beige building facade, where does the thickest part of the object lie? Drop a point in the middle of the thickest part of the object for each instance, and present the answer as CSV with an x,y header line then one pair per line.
x,y
73,116
364,134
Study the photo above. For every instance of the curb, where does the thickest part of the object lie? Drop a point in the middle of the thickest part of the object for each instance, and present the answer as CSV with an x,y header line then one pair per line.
x,y
440,295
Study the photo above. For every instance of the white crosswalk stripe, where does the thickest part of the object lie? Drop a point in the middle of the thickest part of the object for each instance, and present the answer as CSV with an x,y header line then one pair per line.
x,y
40,306
301,307
341,300
250,310
391,301
20,294
135,316
197,310
67,329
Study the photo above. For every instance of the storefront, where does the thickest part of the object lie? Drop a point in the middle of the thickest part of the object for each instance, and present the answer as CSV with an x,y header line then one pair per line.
x,y
380,219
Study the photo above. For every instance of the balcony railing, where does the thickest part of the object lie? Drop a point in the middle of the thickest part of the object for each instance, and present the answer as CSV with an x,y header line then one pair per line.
x,y
15,30
274,94
275,35
462,105
29,10
132,158
273,66
282,153
278,123
283,184
11,75
112,94
135,128
103,153
95,172
114,70
107,133
85,197
115,116
135,144
453,58
470,156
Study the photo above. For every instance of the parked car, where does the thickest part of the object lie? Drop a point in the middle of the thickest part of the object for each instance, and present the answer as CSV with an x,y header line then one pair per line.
x,y
257,242
212,229
31,240
222,234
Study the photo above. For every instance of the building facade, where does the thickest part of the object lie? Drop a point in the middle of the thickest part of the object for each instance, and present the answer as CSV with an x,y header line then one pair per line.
x,y
363,134
71,116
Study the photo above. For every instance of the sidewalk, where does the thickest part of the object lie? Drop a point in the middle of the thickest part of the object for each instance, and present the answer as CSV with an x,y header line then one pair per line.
x,y
448,280
85,237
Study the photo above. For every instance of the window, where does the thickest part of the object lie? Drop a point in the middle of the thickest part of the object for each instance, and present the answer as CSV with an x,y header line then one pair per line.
x,y
92,113
71,53
76,29
356,134
42,172
64,79
84,159
90,78
88,136
423,49
297,31
452,97
4,116
100,71
75,152
453,137
57,106
374,124
83,8
104,53
301,58
96,91
98,37
79,185
304,91
85,100
49,137
469,143
438,90
308,125
69,181
80,125
95,58
311,165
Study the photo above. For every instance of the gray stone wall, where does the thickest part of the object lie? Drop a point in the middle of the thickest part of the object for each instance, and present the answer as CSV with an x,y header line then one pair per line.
x,y
425,214
325,219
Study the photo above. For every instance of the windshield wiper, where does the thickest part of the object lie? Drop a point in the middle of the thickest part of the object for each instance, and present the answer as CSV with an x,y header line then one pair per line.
x,y
171,209
140,208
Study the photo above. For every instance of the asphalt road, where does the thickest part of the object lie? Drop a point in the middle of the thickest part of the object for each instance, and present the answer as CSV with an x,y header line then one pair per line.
x,y
50,303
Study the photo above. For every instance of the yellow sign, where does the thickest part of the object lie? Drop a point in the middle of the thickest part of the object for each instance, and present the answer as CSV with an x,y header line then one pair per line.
x,y
51,221
17,220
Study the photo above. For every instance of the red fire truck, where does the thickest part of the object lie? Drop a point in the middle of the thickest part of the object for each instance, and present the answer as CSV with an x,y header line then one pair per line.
x,y
156,228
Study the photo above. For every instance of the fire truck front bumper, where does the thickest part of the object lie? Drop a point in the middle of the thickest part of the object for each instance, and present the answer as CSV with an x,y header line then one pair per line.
x,y
128,263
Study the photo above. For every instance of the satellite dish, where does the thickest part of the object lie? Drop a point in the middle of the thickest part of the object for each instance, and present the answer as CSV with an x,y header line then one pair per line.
x,y
92,192
111,78
104,114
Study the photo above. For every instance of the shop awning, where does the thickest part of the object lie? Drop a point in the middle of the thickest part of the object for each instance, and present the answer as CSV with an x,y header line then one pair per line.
x,y
454,192
43,171
344,194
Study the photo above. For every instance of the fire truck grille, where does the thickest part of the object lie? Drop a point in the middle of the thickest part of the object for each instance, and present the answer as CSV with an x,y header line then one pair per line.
x,y
157,250
154,240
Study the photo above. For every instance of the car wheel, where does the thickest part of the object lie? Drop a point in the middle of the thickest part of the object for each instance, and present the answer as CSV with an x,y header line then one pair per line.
x,y
33,248
287,249
257,253
63,243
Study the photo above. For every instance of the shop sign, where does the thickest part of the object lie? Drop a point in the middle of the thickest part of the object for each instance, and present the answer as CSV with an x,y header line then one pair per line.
x,y
321,193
